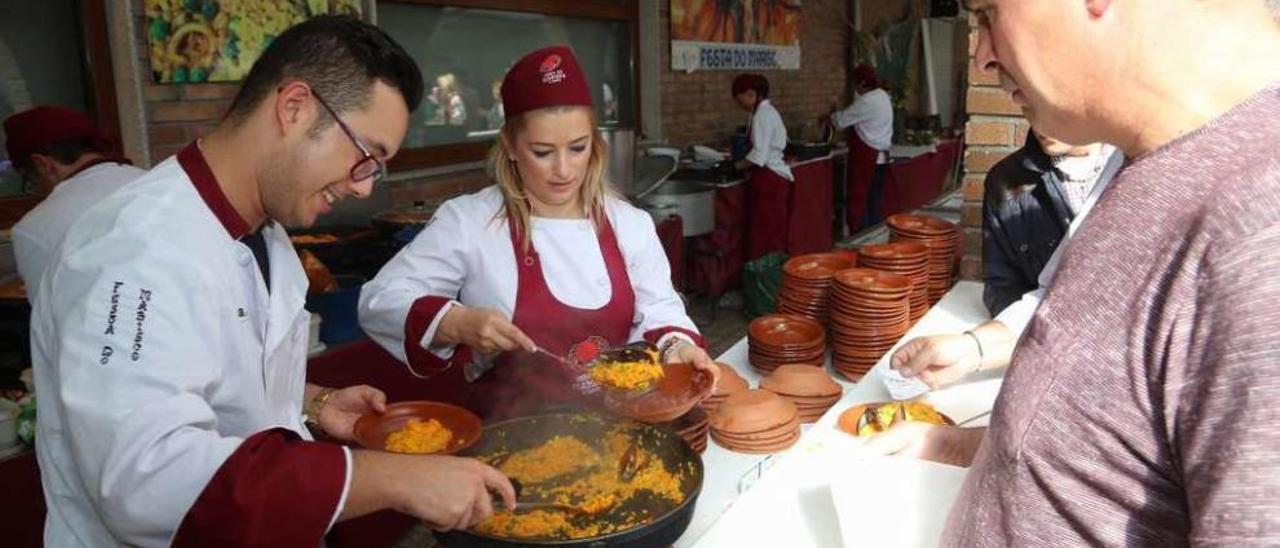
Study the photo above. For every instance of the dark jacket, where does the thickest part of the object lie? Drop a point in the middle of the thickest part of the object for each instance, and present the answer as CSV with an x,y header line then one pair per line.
x,y
1025,215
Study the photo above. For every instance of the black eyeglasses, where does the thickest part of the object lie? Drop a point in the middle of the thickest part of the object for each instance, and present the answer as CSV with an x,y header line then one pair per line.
x,y
367,167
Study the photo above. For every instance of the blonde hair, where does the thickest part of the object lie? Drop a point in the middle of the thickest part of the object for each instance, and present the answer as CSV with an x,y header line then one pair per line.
x,y
447,82
502,169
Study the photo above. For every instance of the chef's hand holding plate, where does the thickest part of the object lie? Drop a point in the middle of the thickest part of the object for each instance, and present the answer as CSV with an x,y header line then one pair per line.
x,y
938,443
342,408
685,352
486,331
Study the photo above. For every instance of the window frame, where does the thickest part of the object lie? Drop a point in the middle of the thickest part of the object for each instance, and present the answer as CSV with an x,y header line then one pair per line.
x,y
95,49
627,11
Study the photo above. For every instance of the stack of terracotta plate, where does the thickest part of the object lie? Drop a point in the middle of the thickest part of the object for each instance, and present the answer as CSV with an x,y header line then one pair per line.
x,y
809,388
779,339
906,258
730,383
870,311
756,421
805,283
941,239
693,427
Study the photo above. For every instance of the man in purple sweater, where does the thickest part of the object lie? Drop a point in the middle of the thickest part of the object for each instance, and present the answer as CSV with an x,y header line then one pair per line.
x,y
1142,404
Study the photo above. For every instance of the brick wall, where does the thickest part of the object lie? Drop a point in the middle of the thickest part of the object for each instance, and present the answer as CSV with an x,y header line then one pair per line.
x,y
995,128
697,107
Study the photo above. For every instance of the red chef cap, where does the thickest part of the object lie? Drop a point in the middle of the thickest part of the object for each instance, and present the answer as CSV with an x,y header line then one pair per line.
x,y
31,131
864,75
757,82
549,77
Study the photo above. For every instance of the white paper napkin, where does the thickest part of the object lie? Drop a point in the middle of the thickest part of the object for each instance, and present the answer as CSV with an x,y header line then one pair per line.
x,y
902,388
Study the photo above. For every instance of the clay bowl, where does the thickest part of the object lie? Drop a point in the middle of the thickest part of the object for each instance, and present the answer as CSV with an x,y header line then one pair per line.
x,y
786,332
848,421
900,251
862,327
792,282
752,411
730,382
371,429
769,437
679,390
690,421
801,355
871,348
761,347
766,365
919,224
869,280
800,380
757,360
783,354
844,328
816,266
772,447
851,308
848,254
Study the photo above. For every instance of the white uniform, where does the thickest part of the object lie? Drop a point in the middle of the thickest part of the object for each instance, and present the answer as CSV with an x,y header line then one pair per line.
x,y
769,140
158,350
871,115
466,254
40,230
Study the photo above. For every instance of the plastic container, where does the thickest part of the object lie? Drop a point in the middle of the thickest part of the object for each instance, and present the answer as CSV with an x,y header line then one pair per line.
x,y
337,310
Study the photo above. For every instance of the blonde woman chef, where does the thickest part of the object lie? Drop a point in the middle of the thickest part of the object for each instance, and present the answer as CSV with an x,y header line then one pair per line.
x,y
545,258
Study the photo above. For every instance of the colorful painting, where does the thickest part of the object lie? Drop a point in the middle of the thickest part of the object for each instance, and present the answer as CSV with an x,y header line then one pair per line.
x,y
772,22
735,34
194,41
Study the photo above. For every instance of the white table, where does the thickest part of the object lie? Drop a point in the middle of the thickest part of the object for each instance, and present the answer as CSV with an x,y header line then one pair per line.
x,y
791,491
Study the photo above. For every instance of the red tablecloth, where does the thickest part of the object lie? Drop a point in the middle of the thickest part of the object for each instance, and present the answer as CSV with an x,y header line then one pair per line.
x,y
810,208
717,258
768,212
912,183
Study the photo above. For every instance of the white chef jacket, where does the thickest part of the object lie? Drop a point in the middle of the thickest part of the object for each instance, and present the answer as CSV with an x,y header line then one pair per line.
x,y
769,140
41,229
1017,315
466,254
158,350
871,115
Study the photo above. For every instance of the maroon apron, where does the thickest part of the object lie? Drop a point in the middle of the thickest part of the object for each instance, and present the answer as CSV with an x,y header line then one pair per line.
x,y
861,169
769,195
522,384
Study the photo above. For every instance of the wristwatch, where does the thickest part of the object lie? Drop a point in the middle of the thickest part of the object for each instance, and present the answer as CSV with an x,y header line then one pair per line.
x,y
312,410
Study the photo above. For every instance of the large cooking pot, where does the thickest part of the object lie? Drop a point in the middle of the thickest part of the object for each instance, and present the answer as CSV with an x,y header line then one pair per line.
x,y
620,171
528,432
694,202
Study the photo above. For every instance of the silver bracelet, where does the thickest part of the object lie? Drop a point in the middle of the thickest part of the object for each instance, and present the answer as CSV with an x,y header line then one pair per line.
x,y
978,342
672,344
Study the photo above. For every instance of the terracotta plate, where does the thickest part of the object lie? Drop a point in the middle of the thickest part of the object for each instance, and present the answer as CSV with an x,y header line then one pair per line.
x,y
372,429
681,388
780,330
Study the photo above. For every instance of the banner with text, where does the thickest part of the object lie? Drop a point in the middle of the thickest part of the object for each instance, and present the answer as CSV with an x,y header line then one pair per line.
x,y
735,35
